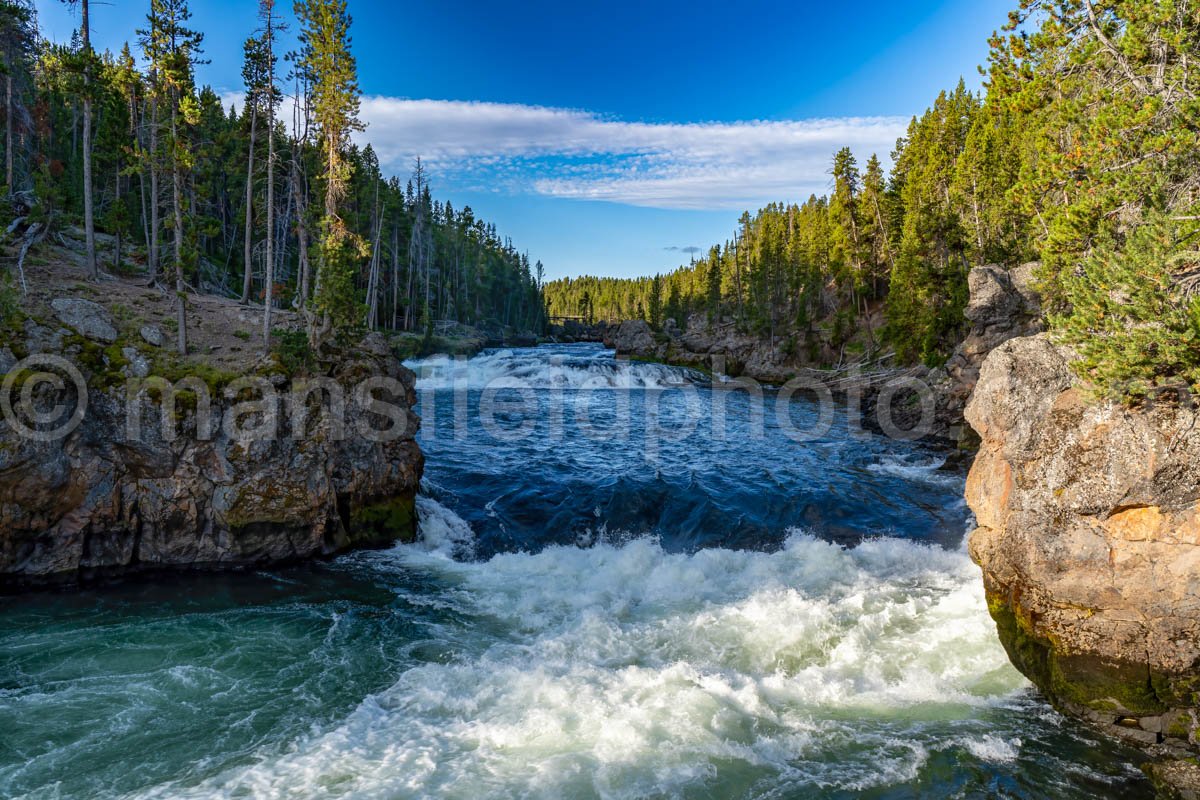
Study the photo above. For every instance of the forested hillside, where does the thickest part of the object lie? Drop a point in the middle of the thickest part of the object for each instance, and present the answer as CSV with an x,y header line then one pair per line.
x,y
1083,152
269,201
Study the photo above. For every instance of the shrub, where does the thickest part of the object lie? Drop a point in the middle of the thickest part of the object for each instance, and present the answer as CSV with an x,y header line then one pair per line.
x,y
293,351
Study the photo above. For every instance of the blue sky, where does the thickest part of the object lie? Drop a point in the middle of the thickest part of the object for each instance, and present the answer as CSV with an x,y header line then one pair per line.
x,y
599,135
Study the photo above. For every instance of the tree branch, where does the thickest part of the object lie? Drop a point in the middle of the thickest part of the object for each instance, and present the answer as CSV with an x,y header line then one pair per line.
x,y
1112,49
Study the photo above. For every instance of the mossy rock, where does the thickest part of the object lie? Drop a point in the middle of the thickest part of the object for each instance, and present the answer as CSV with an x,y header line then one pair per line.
x,y
1175,779
1074,681
393,519
105,364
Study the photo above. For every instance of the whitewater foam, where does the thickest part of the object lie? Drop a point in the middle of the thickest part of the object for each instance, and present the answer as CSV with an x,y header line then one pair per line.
x,y
627,671
530,369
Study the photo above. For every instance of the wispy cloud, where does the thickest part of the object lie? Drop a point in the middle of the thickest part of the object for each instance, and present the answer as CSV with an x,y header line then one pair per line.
x,y
569,153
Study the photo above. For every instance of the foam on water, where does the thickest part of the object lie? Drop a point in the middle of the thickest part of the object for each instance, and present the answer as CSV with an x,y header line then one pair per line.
x,y
926,471
531,369
626,671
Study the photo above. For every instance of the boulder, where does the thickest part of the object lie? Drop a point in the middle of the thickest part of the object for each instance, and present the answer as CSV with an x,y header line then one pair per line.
x,y
86,318
631,337
139,367
152,335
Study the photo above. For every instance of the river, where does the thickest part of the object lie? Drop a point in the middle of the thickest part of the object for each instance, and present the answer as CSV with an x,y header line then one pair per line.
x,y
630,584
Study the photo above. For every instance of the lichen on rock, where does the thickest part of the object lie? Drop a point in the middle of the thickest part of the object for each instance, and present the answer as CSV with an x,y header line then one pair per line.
x,y
1088,535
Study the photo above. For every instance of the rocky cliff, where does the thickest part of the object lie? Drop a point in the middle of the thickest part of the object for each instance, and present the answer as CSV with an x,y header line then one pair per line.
x,y
246,463
1089,540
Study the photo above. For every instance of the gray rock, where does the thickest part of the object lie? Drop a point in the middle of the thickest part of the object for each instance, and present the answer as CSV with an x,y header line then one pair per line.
x,y
993,298
152,335
7,360
85,317
631,337
40,339
139,367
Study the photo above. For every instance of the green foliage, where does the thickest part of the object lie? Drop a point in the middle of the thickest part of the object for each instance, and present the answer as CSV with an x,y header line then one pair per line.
x,y
655,305
11,315
1135,331
292,350
1108,100
340,256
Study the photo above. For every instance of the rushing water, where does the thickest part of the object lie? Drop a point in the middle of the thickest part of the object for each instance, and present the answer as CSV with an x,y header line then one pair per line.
x,y
629,585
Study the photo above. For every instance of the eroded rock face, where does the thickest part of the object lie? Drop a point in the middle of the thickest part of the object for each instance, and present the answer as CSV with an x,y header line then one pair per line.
x,y
1089,541
107,499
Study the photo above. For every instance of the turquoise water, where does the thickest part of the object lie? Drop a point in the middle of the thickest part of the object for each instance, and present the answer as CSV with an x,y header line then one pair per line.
x,y
754,617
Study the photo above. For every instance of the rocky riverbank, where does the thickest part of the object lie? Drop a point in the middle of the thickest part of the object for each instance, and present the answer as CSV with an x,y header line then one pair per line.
x,y
227,458
1003,305
1089,541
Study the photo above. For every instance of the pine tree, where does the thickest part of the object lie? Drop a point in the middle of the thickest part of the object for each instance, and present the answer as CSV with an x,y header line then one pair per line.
x,y
713,284
253,73
655,304
1134,312
271,28
326,57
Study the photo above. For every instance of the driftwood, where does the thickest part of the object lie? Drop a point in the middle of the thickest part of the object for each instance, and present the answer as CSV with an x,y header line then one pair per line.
x,y
33,234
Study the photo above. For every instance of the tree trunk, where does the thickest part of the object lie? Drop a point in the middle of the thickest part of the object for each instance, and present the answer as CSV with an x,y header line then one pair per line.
x,y
177,201
155,224
373,276
269,280
117,232
89,222
301,234
8,132
395,275
249,243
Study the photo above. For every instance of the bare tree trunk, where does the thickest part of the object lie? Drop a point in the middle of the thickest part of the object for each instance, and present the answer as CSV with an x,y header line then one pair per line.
x,y
117,232
155,224
373,277
8,132
249,243
302,240
89,222
269,280
269,289
177,198
395,275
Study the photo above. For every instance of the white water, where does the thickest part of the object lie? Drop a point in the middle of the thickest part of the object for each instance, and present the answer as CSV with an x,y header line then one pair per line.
x,y
533,370
911,469
623,671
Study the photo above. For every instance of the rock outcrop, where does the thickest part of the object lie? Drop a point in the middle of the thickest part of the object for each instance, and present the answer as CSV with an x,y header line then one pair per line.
x,y
1089,539
148,480
1003,305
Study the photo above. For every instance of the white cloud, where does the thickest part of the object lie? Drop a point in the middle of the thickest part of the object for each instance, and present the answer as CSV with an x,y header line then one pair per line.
x,y
578,154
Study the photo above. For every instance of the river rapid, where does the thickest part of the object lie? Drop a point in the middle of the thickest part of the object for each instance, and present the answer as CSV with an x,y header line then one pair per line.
x,y
629,584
